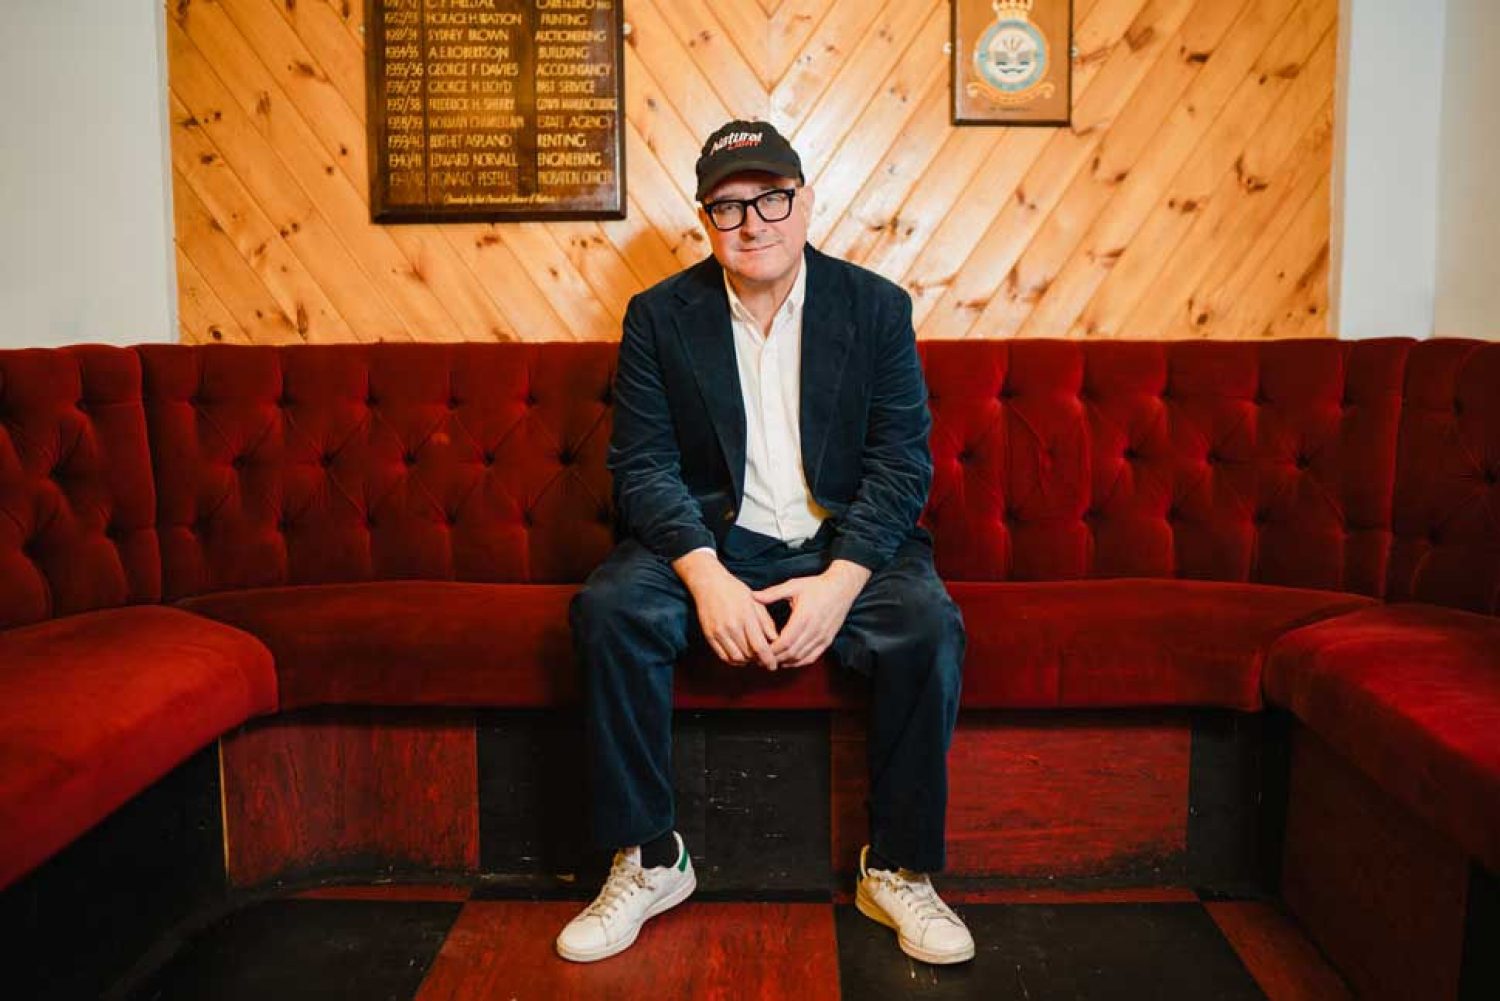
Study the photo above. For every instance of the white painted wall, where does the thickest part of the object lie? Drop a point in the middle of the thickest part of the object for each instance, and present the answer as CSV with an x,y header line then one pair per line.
x,y
85,181
1468,251
1385,201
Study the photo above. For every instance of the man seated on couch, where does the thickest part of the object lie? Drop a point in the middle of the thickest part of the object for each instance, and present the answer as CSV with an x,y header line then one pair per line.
x,y
769,450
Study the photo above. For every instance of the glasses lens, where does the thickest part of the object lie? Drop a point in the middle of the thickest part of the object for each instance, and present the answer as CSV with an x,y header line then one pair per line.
x,y
774,205
726,215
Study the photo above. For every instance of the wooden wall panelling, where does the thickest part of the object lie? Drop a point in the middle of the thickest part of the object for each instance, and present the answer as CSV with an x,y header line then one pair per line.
x,y
955,200
1225,61
1216,104
300,295
203,241
1304,201
1132,159
1133,301
213,72
202,315
835,38
1294,147
892,100
1061,154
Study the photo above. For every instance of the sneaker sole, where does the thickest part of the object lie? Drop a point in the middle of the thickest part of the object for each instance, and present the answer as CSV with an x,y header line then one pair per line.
x,y
614,948
867,906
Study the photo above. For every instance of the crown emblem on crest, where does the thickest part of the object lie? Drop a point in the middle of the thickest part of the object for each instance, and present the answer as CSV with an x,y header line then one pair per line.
x,y
1005,9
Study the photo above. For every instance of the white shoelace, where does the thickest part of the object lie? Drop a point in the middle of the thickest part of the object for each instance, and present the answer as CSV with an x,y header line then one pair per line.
x,y
917,893
624,879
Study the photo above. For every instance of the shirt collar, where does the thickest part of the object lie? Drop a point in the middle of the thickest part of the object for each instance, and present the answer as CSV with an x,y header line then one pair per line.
x,y
791,307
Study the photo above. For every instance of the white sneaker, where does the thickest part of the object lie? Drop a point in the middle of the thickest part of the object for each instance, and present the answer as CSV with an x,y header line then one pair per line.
x,y
631,895
906,901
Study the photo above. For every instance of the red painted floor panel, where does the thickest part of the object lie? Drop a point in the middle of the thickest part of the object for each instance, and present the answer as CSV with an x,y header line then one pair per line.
x,y
503,949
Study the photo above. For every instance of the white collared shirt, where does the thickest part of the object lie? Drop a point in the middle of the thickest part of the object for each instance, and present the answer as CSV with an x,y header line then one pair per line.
x,y
777,501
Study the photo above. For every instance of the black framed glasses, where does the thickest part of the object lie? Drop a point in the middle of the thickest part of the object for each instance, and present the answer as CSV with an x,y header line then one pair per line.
x,y
729,213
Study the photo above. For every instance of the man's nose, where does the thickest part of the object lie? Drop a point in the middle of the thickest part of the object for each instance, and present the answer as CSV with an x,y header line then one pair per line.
x,y
753,226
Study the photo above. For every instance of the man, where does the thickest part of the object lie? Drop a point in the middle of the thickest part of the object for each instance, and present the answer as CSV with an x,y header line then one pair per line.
x,y
769,448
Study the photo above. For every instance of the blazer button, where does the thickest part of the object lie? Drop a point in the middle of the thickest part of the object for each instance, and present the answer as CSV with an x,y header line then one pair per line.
x,y
729,515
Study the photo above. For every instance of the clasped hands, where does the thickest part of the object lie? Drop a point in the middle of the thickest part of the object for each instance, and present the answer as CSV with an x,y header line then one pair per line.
x,y
737,622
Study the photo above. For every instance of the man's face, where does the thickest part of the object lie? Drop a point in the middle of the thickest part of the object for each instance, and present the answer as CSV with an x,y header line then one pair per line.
x,y
759,252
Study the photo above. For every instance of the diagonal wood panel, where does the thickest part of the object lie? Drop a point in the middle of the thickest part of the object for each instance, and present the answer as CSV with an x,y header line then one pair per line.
x,y
1190,197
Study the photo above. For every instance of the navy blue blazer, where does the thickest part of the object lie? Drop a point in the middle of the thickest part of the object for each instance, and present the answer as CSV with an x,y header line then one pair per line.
x,y
677,452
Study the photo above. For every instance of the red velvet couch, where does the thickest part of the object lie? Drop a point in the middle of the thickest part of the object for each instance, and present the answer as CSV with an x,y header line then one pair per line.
x,y
191,537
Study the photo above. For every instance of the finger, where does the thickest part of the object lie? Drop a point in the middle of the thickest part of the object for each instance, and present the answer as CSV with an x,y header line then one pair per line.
x,y
735,654
758,645
791,635
767,624
773,594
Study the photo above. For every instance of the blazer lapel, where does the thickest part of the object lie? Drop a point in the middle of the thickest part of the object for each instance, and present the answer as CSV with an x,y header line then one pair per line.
x,y
827,335
704,328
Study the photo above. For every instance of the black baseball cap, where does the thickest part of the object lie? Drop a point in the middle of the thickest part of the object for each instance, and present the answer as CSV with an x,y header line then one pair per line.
x,y
739,146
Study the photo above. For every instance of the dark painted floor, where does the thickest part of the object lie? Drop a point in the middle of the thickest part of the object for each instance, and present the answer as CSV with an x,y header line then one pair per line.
x,y
441,944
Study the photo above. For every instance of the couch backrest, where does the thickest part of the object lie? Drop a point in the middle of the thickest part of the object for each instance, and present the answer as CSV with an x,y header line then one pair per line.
x,y
77,508
476,462
1270,462
1446,515
1294,463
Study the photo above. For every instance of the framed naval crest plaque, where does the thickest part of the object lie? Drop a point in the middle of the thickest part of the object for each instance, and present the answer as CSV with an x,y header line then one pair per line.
x,y
1012,62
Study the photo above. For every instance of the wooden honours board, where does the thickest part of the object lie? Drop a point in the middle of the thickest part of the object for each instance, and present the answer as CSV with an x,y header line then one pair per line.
x,y
495,110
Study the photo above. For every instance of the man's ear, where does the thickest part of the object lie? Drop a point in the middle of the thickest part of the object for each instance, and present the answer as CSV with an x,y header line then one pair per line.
x,y
807,198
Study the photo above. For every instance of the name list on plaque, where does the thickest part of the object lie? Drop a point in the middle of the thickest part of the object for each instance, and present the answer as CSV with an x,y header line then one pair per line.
x,y
495,110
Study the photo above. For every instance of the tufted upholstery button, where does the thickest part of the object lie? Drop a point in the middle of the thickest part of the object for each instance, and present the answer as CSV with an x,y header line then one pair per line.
x,y
1434,537
1174,514
372,400
1260,399
1491,476
1301,461
1458,408
370,522
565,456
325,460
454,403
965,456
1006,393
1212,458
488,457
450,519
526,518
1130,454
283,401
530,398
239,462
195,401
82,405
409,459
283,525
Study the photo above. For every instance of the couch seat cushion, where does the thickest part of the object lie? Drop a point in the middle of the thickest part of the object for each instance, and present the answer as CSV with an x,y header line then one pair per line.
x,y
96,707
410,642
1101,643
1411,695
